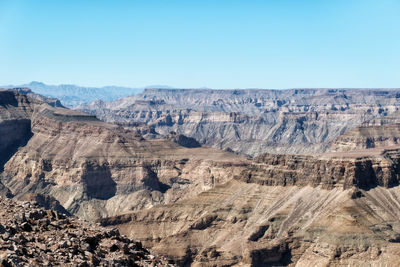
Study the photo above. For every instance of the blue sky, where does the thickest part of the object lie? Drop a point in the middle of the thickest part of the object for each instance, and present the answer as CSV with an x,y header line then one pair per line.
x,y
205,43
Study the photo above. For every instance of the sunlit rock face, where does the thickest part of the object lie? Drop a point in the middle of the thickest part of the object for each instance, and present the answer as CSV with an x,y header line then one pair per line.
x,y
333,209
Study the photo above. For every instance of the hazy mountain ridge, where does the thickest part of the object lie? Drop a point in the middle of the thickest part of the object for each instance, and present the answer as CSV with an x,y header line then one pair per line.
x,y
73,95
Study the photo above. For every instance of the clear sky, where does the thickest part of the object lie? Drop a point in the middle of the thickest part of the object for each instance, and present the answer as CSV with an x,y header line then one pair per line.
x,y
204,43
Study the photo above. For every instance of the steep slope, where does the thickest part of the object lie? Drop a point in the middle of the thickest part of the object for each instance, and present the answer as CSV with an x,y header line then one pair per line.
x,y
252,122
15,128
285,210
361,168
93,169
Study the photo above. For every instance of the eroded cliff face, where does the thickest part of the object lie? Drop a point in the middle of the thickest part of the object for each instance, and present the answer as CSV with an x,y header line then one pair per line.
x,y
254,225
253,122
362,169
330,209
15,126
375,133
93,169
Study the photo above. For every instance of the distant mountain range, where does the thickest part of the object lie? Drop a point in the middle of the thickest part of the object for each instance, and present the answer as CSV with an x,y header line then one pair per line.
x,y
74,95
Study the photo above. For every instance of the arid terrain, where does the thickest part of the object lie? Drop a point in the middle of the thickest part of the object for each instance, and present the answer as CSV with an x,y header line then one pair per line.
x,y
302,177
33,236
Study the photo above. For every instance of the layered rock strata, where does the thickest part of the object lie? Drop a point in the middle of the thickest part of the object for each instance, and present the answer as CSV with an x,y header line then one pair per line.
x,y
375,133
253,225
253,122
284,210
15,126
362,169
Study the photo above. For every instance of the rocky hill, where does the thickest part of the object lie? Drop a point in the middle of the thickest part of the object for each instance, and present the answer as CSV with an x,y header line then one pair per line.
x,y
15,113
33,236
252,122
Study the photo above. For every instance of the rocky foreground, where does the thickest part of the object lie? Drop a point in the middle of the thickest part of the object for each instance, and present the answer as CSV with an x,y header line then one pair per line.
x,y
32,236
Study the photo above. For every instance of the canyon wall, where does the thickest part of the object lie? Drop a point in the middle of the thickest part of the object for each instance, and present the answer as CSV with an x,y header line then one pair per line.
x,y
362,169
253,122
332,209
375,133
248,224
15,126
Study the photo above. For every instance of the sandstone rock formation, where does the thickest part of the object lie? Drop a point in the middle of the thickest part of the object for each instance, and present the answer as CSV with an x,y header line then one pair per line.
x,y
253,122
15,127
32,236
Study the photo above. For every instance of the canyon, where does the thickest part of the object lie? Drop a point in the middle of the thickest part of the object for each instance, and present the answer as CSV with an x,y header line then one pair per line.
x,y
95,169
218,177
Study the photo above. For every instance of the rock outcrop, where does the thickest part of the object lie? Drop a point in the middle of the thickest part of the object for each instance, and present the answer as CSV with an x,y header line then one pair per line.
x,y
253,122
15,127
33,236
